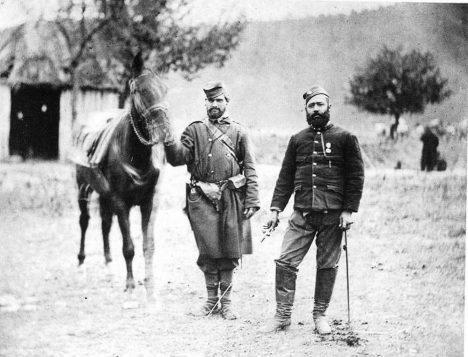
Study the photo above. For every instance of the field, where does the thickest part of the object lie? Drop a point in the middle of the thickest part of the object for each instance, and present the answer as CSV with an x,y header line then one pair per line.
x,y
406,257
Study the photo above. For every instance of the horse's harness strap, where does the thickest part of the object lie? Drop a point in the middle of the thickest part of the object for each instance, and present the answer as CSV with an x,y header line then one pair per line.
x,y
145,115
154,108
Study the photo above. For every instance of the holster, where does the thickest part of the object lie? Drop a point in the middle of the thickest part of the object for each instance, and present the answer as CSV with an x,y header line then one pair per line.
x,y
236,182
214,191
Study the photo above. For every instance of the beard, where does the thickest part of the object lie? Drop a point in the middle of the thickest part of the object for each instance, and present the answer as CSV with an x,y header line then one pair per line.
x,y
318,120
215,113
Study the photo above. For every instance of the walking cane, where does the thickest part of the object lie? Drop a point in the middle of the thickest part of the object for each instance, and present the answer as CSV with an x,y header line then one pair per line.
x,y
345,248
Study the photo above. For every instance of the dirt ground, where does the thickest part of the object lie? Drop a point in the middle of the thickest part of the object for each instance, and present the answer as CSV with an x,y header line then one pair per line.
x,y
406,258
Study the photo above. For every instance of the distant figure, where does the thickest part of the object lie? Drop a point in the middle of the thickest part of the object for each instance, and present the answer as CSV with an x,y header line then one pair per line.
x,y
429,151
441,163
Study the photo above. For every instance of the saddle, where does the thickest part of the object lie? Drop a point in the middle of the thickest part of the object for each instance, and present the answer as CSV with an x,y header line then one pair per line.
x,y
92,141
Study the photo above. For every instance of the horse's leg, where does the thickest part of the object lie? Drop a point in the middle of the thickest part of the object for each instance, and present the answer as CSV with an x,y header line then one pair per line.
x,y
106,224
84,192
128,249
147,225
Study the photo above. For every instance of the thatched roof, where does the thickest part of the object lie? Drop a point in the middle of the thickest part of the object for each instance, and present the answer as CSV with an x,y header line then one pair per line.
x,y
37,54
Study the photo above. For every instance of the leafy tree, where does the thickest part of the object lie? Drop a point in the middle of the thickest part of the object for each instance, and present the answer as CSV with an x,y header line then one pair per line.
x,y
104,35
161,29
396,83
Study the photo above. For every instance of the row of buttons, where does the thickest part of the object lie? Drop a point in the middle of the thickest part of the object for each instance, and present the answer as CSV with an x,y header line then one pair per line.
x,y
314,163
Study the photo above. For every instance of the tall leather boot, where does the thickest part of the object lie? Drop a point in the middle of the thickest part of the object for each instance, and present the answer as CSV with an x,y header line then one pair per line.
x,y
210,305
324,283
285,286
225,286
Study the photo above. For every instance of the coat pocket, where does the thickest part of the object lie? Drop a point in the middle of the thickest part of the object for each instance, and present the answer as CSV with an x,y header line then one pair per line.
x,y
335,188
301,159
334,196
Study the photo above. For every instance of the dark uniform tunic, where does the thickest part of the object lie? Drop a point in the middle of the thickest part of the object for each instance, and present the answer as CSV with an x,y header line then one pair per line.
x,y
224,233
325,171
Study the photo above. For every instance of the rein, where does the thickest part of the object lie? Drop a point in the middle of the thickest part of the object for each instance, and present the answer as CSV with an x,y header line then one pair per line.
x,y
145,114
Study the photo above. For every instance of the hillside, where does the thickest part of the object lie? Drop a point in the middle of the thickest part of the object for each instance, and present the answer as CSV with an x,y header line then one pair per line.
x,y
277,61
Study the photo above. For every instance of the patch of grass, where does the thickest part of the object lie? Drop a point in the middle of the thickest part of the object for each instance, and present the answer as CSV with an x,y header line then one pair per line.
x,y
406,259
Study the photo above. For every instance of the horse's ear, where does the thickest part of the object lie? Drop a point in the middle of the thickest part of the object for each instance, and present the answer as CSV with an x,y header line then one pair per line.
x,y
137,65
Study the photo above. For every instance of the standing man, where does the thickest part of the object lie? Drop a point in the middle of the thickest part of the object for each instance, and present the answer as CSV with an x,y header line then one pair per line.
x,y
324,169
222,194
429,150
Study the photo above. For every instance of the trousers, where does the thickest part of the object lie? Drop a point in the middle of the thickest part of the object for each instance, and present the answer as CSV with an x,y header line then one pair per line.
x,y
213,265
303,229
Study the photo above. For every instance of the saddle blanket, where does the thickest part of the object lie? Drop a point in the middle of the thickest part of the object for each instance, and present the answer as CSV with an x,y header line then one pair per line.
x,y
93,138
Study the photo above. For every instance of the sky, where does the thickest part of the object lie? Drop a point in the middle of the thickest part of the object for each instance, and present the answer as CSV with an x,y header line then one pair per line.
x,y
13,12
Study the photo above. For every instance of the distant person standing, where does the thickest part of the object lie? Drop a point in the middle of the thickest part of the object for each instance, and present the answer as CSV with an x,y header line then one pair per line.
x,y
429,150
323,167
222,194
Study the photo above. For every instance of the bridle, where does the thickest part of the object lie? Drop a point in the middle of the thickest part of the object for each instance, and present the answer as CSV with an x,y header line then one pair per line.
x,y
146,114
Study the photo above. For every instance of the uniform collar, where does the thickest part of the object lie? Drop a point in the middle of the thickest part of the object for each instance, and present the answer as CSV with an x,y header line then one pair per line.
x,y
325,128
224,119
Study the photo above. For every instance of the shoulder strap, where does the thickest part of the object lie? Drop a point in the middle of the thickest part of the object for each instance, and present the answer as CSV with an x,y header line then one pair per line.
x,y
223,138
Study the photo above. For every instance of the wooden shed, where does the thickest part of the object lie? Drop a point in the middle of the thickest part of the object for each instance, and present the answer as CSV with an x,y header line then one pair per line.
x,y
35,92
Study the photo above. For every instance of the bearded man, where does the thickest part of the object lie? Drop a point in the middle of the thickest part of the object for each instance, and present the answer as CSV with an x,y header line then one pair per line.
x,y
324,169
222,195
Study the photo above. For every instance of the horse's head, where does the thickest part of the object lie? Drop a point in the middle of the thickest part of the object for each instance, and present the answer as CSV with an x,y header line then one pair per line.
x,y
149,112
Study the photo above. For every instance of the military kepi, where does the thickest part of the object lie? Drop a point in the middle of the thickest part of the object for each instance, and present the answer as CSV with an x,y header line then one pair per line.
x,y
214,89
313,91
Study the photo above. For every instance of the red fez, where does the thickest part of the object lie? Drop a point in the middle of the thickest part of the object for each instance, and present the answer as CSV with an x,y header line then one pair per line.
x,y
313,91
215,89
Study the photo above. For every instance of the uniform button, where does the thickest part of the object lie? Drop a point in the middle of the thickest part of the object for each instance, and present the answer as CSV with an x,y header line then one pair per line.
x,y
315,152
210,139
314,175
316,141
314,163
212,172
209,155
318,132
314,186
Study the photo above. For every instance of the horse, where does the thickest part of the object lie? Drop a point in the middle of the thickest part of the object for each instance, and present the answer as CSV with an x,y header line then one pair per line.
x,y
129,171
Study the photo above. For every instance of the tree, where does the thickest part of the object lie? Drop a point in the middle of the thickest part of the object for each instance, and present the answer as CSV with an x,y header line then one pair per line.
x,y
396,83
158,28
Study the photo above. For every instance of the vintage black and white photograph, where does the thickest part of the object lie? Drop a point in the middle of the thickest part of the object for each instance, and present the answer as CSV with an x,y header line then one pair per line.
x,y
233,178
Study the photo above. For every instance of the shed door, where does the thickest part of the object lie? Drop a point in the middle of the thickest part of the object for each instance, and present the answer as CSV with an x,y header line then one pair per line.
x,y
35,115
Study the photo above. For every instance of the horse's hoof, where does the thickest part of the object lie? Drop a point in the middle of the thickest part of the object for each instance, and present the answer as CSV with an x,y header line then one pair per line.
x,y
81,274
127,305
109,272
